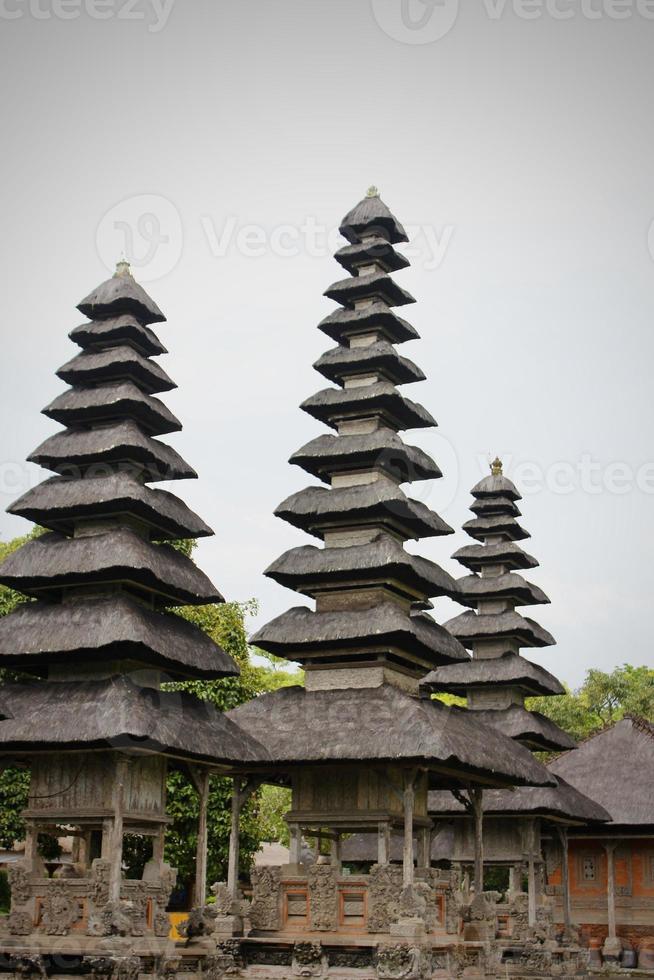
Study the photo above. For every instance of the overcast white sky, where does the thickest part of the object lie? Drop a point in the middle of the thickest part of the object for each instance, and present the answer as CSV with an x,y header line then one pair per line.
x,y
515,139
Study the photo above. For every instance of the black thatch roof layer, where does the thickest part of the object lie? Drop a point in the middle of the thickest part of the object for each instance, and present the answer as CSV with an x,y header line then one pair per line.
x,y
120,445
476,556
469,627
341,362
60,503
110,403
376,317
377,250
303,635
377,285
562,802
46,565
512,586
382,450
120,295
496,485
528,727
481,527
616,768
371,218
310,570
509,670
381,724
108,629
118,330
118,714
120,363
499,504
316,509
381,399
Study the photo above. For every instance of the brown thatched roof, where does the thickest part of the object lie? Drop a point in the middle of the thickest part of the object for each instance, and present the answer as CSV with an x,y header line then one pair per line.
x,y
373,284
46,565
381,724
114,628
616,768
119,295
309,569
371,215
563,802
494,485
383,449
120,363
110,403
61,502
372,250
510,669
302,635
512,586
118,714
118,330
344,323
317,508
382,398
481,527
108,446
339,362
469,627
530,727
475,556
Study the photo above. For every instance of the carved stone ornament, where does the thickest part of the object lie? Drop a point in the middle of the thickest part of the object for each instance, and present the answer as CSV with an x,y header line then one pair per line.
x,y
100,871
61,909
200,923
161,924
25,966
224,899
168,966
126,967
323,897
20,922
266,889
384,890
19,883
308,960
403,961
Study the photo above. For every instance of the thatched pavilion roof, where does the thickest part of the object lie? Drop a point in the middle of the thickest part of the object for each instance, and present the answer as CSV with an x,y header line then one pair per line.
x,y
340,362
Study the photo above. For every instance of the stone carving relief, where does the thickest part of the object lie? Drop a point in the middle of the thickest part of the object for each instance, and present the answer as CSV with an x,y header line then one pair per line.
x,y
323,897
384,890
20,922
266,894
19,883
308,960
403,961
61,909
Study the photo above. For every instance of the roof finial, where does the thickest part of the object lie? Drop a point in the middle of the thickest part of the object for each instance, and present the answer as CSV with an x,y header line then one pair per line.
x,y
122,268
496,466
372,191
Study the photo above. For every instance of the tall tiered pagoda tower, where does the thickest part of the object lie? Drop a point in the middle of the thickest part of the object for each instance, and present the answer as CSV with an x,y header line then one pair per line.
x,y
99,636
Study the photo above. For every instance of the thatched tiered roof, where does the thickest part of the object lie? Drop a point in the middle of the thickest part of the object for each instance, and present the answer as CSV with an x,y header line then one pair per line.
x,y
101,578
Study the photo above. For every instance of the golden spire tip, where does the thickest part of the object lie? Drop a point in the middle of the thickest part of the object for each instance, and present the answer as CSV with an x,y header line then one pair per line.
x,y
372,191
496,466
122,267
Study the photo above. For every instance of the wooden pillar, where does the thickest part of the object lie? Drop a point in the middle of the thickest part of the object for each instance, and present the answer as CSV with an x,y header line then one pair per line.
x,y
336,853
565,877
531,874
383,843
295,843
203,786
515,879
610,886
424,847
477,801
234,841
116,855
31,845
409,801
158,844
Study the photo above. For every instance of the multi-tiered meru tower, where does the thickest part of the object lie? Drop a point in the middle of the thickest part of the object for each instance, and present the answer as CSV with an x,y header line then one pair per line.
x,y
94,725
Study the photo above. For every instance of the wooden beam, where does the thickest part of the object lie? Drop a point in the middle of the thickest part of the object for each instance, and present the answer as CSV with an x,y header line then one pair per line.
x,y
409,803
531,874
116,855
610,847
565,877
383,843
476,795
204,786
234,841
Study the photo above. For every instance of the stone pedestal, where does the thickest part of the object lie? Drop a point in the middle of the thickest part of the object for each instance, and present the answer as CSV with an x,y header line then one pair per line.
x,y
611,950
228,926
409,927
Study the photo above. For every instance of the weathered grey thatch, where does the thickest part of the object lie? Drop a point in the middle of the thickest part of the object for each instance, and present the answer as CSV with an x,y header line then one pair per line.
x,y
118,714
46,565
382,724
345,323
563,802
475,556
369,216
494,485
60,503
469,627
382,503
341,362
616,768
310,570
495,505
379,250
510,669
120,363
110,403
119,295
118,330
381,399
512,586
529,727
303,635
481,527
112,628
123,444
381,449
377,285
